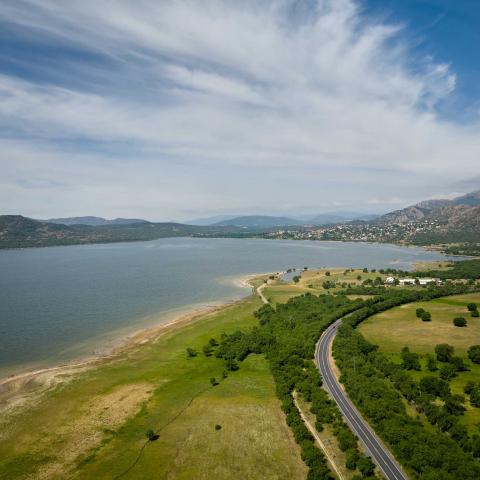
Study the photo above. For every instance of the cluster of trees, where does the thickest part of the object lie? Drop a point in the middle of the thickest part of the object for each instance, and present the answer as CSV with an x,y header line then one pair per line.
x,y
423,315
287,336
376,385
467,269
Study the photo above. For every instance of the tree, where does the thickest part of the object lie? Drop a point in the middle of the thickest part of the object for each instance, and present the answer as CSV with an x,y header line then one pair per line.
x,y
459,322
366,466
231,364
469,386
150,434
191,352
431,363
426,317
444,352
351,458
296,278
475,396
327,273
365,270
472,307
410,360
474,353
207,350
447,371
459,364
434,386
418,312
213,381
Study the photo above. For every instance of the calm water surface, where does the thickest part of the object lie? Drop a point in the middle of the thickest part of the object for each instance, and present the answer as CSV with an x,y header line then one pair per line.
x,y
59,303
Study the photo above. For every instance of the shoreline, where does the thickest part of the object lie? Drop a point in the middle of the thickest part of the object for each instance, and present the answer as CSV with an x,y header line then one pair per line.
x,y
16,389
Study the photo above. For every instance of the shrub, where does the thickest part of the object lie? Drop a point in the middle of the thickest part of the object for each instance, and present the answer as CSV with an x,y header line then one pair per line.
x,y
474,314
444,352
191,352
207,350
448,371
150,434
472,307
474,353
426,316
419,312
459,322
218,427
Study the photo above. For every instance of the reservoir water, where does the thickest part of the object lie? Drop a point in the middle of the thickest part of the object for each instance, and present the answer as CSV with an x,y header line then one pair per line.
x,y
60,303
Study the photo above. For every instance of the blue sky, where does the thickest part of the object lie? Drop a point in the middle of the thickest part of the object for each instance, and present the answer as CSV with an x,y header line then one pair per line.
x,y
180,109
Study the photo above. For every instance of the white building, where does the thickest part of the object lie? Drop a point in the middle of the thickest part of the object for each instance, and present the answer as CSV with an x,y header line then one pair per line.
x,y
421,281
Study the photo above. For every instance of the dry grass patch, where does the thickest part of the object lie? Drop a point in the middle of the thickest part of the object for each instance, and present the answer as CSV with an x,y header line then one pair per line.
x,y
101,414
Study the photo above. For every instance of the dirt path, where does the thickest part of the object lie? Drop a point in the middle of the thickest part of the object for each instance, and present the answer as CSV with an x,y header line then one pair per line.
x,y
314,432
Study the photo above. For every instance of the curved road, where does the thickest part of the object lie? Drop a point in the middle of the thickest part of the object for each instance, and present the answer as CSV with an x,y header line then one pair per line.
x,y
379,453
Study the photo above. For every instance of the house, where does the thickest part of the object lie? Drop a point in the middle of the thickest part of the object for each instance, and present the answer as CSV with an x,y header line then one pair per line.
x,y
390,280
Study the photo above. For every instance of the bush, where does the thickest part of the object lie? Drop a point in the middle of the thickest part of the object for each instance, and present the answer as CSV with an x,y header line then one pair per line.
x,y
472,307
444,352
191,352
150,434
426,317
419,312
448,371
460,322
218,427
207,350
474,314
474,353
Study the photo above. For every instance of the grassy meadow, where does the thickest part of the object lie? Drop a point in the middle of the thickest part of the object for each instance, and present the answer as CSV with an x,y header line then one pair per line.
x,y
394,329
94,425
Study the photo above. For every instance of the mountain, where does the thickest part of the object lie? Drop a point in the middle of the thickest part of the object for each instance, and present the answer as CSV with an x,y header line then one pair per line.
x,y
439,221
339,217
17,231
258,221
440,210
206,221
94,221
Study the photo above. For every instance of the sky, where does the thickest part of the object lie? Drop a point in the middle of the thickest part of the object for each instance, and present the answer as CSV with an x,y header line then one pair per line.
x,y
174,110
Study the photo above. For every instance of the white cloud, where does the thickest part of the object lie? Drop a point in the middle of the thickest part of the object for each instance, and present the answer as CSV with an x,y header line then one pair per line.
x,y
230,89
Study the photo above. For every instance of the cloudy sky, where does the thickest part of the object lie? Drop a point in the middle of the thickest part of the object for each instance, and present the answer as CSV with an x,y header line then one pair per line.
x,y
181,109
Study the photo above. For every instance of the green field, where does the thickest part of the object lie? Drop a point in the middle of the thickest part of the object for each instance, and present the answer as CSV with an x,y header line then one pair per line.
x,y
394,329
94,426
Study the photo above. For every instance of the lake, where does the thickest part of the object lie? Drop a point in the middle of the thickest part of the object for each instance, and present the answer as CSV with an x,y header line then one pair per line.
x,y
61,303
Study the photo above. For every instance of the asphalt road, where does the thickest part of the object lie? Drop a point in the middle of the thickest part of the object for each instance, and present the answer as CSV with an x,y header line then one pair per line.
x,y
380,455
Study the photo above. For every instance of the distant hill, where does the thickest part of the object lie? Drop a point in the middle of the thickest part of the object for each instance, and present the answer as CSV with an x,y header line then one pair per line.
x,y
434,210
94,221
258,221
207,221
17,231
443,221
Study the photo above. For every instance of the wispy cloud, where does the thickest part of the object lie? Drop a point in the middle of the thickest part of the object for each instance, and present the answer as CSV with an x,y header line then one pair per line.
x,y
216,102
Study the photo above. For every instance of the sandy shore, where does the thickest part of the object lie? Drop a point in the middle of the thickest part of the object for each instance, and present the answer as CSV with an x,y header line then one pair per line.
x,y
19,388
